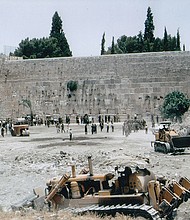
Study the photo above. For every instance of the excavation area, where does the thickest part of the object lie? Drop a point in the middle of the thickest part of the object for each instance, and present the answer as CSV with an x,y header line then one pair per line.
x,y
29,162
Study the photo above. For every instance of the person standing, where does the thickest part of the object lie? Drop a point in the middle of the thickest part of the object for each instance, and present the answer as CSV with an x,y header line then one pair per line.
x,y
58,127
95,128
62,128
146,129
101,125
92,128
2,131
112,126
108,127
86,129
70,134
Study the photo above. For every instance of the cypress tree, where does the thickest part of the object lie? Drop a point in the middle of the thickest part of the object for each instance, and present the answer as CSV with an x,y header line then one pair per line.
x,y
183,47
113,46
57,32
103,45
178,41
165,40
149,27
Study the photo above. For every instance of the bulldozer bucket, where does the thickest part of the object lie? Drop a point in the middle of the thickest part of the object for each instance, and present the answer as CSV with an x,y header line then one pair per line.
x,y
181,142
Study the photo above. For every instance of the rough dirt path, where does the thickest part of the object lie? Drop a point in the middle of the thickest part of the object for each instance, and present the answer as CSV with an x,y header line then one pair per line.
x,y
28,162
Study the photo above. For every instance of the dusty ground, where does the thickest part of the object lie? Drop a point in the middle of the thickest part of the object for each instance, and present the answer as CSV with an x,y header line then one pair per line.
x,y
28,162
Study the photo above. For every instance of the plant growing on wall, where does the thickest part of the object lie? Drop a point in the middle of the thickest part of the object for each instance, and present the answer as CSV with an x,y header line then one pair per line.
x,y
71,87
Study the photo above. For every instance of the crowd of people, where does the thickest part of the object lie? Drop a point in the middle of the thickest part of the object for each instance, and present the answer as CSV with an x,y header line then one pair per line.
x,y
134,125
6,126
91,126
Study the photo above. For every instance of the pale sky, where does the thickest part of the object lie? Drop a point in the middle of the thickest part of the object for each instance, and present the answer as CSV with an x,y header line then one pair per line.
x,y
85,21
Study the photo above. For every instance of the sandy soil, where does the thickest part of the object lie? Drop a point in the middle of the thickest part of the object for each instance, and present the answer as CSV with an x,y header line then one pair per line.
x,y
28,162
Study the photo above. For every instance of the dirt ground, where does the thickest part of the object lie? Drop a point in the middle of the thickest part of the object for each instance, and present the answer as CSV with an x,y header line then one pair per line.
x,y
28,162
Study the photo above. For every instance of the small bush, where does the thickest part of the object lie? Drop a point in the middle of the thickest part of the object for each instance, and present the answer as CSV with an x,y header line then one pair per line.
x,y
72,86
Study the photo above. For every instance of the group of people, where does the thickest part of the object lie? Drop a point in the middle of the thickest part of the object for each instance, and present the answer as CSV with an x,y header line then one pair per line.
x,y
93,127
6,126
60,127
134,125
101,125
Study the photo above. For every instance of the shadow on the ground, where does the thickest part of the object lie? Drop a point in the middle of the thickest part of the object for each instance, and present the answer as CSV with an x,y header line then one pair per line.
x,y
82,140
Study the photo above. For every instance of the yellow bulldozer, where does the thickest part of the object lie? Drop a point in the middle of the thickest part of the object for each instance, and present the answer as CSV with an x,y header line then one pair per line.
x,y
130,192
167,140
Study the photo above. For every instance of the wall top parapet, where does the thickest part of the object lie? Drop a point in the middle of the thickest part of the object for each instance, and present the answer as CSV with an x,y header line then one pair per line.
x,y
111,56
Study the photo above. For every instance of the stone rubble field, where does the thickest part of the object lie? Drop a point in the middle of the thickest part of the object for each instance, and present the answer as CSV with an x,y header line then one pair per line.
x,y
29,162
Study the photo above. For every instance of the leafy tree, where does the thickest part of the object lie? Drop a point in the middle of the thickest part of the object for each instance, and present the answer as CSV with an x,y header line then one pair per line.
x,y
140,42
54,46
158,46
37,48
103,45
145,43
175,105
149,27
173,44
27,104
57,32
126,45
121,43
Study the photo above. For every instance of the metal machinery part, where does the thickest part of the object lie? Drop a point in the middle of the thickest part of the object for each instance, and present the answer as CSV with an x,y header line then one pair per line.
x,y
137,193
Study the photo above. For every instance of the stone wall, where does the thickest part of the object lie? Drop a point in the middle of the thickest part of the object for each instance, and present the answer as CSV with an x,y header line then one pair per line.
x,y
114,84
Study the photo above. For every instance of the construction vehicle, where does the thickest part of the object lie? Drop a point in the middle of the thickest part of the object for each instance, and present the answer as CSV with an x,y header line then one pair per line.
x,y
167,140
135,193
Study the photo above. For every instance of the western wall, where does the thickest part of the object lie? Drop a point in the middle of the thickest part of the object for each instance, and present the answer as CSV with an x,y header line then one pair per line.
x,y
114,84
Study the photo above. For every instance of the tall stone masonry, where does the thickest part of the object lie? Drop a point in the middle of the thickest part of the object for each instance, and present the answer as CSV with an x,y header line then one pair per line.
x,y
121,85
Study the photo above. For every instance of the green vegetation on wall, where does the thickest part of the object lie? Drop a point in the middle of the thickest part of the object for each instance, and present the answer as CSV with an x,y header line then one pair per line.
x,y
71,87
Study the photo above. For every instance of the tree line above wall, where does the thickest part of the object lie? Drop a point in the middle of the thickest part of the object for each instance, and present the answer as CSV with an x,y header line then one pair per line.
x,y
146,42
56,44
